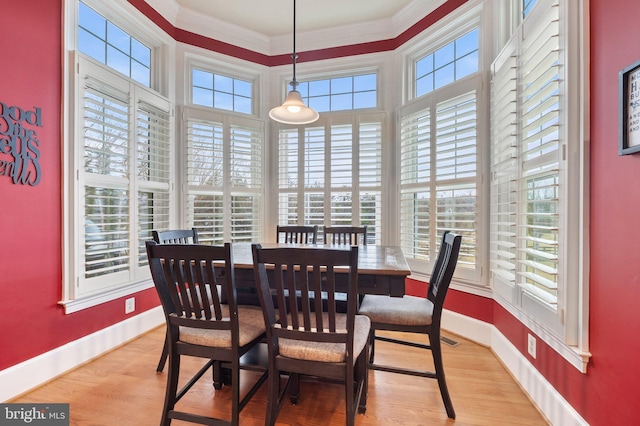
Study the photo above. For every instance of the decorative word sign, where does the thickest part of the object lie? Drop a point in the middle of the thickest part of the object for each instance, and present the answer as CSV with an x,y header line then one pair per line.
x,y
19,144
629,86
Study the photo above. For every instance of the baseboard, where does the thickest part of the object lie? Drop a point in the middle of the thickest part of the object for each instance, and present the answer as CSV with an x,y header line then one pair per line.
x,y
547,399
27,375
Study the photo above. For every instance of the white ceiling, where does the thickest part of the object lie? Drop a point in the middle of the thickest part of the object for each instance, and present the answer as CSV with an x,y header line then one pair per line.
x,y
275,17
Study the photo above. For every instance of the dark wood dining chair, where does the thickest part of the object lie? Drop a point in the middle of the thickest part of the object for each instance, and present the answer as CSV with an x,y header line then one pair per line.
x,y
304,335
417,315
297,234
172,236
176,236
189,280
352,235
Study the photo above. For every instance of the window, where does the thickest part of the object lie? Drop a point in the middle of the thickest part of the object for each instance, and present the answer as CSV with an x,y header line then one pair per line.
x,y
450,63
330,173
340,93
107,43
527,5
219,91
118,163
224,176
441,147
535,230
440,185
124,147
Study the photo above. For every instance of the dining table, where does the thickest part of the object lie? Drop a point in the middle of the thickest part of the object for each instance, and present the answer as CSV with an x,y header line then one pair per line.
x,y
381,269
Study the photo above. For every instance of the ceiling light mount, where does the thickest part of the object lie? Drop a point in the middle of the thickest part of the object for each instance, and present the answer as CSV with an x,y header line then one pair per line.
x,y
293,110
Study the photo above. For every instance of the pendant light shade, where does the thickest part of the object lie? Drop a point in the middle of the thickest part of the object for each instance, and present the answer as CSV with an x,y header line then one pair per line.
x,y
293,110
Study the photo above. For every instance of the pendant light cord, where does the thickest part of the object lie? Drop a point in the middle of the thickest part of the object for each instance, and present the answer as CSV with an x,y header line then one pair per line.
x,y
294,82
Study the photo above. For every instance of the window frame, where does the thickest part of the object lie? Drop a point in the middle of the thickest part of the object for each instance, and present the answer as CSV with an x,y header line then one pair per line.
x,y
127,18
469,17
570,338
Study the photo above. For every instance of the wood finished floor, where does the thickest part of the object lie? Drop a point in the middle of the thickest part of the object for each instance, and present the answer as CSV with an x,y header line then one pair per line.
x,y
122,388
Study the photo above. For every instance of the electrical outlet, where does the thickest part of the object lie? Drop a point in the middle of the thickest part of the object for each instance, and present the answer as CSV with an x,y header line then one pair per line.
x,y
531,347
129,305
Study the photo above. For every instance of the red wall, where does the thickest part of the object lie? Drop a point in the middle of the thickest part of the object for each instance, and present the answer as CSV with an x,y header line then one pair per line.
x,y
30,223
615,237
32,322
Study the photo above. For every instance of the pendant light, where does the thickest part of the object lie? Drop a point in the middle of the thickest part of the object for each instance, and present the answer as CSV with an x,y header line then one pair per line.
x,y
293,110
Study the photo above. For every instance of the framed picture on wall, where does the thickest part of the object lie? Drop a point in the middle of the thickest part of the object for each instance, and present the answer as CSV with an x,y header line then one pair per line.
x,y
629,99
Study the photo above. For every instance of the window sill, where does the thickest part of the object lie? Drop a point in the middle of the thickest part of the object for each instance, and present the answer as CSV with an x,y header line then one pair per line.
x,y
75,305
572,354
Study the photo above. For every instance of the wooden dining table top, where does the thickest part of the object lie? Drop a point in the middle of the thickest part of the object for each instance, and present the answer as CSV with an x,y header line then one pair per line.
x,y
372,259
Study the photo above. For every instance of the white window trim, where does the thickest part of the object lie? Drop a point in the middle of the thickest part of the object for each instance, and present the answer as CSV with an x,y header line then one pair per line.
x,y
127,17
573,345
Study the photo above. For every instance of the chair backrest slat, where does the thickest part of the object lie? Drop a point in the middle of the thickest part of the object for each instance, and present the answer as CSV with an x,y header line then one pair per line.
x,y
176,236
350,235
297,234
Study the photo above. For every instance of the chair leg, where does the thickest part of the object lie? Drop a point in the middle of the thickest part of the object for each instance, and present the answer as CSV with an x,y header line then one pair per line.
x,y
273,397
235,393
163,356
372,342
294,388
436,351
349,396
363,374
172,389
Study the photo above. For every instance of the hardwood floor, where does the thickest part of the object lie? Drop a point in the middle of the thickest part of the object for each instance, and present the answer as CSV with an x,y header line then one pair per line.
x,y
122,388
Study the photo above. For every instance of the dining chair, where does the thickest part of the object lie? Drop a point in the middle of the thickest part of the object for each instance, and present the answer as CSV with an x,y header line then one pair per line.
x,y
189,280
304,335
353,235
297,234
172,236
417,315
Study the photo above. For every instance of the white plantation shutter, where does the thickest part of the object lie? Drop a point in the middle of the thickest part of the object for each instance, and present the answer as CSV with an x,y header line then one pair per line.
x,y
125,175
288,177
526,155
539,159
415,178
370,179
504,172
439,179
205,179
337,162
455,168
153,126
341,168
313,170
245,170
224,175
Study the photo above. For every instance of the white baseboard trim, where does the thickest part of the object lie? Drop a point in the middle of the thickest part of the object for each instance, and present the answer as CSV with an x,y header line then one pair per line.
x,y
29,374
548,400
